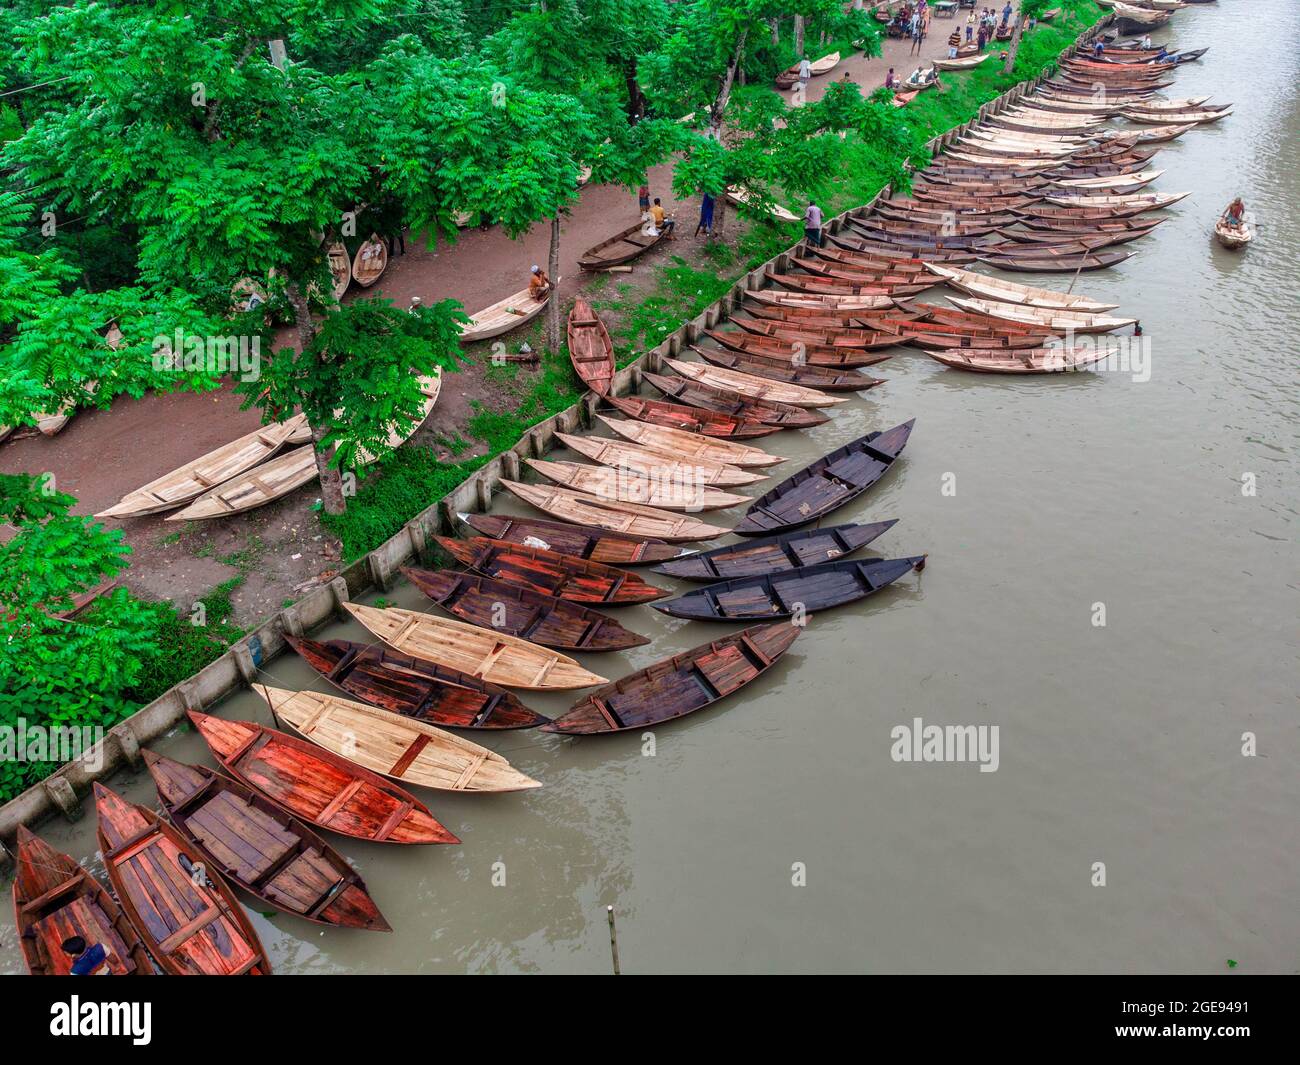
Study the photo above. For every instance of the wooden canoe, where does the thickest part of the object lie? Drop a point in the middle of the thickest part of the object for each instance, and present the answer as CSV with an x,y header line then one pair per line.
x,y
590,349
621,248
403,748
812,378
490,656
261,848
995,288
399,433
1233,238
767,597
691,446
826,484
690,419
518,611
584,509
839,334
1154,134
1110,183
742,197
823,286
370,262
787,553
824,65
819,303
553,573
585,542
657,462
630,486
796,352
1019,361
340,264
1056,319
1064,264
730,401
190,921
960,64
501,317
674,687
413,687
205,472
263,484
758,388
54,900
1149,201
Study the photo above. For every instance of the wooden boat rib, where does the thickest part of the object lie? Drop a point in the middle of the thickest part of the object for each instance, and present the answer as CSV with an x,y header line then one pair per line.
x,y
261,848
628,486
826,484
319,787
995,288
575,580
769,596
691,446
191,924
205,472
413,687
585,509
1021,361
519,611
677,686
55,900
263,484
772,555
490,656
758,388
402,748
666,465
813,378
501,317
584,542
590,349
370,261
1051,317
621,248
730,401
690,419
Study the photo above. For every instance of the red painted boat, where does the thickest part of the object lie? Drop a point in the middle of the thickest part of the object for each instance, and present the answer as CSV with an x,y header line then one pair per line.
x,y
581,541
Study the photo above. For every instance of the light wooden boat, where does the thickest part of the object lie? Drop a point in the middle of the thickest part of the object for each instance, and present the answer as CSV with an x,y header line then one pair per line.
x,y
245,294
1043,122
1022,361
755,387
502,316
691,446
1151,134
1231,237
430,387
1058,143
340,269
995,288
1056,319
1152,201
629,486
1117,181
829,303
1014,163
5,430
1185,103
961,64
824,65
261,485
50,424
490,656
370,262
741,196
1157,118
664,464
581,508
207,471
402,748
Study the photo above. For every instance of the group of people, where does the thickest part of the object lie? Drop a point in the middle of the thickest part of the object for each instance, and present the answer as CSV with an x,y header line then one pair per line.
x,y
981,28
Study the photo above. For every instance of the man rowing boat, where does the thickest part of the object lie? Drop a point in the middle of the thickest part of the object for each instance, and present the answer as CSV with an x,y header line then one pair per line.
x,y
1235,215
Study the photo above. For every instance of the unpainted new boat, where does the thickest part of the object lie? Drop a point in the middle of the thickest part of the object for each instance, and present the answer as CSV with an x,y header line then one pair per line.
x,y
1020,361
590,349
629,486
995,288
657,462
757,388
690,419
1053,318
621,248
501,317
585,509
692,446
370,262
733,402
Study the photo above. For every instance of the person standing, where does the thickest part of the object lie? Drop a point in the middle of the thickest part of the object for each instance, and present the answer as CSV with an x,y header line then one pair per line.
x,y
805,72
1006,14
643,199
812,224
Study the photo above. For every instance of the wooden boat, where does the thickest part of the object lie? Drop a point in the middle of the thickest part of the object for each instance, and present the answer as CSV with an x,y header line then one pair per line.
x,y
191,924
205,472
835,286
1054,318
812,378
742,197
735,403
261,848
657,462
886,209
1116,184
690,419
1233,237
52,424
1080,215
995,288
674,687
340,264
621,248
590,349
1156,118
54,900
770,596
413,687
961,63
399,433
488,655
691,446
1054,229
775,555
846,273
758,388
1065,263
824,303
402,748
1150,201
856,339
575,580
585,542
1021,361
628,486
501,317
931,253
370,262
1155,134
263,484
826,484
519,611
318,786
824,65
1049,14
1185,103
587,509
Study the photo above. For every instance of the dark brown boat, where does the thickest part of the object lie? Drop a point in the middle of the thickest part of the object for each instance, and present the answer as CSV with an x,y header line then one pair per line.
x,y
821,378
826,484
859,272
943,338
320,787
695,394
590,349
1081,239
1084,214
918,226
1050,245
621,248
563,576
913,268
414,687
770,555
580,541
1103,225
676,686
934,254
794,352
188,918
261,848
804,591
691,419
850,337
55,901
1067,264
519,611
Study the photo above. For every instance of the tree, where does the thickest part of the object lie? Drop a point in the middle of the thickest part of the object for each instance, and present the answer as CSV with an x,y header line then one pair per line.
x,y
1028,9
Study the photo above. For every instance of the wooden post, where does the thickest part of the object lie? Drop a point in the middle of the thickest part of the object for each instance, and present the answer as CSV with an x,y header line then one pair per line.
x,y
613,938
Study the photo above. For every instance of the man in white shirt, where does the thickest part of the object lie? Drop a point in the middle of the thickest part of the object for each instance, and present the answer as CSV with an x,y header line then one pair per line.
x,y
812,224
805,71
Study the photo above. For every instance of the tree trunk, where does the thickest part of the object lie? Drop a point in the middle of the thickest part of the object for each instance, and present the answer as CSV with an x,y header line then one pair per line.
x,y
553,272
798,36
775,24
719,217
724,89
331,480
1015,42
635,97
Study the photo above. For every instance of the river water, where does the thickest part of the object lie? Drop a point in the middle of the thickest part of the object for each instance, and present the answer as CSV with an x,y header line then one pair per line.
x,y
1118,744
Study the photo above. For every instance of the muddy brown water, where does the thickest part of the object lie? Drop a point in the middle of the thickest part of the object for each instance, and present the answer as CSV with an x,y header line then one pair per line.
x,y
1119,744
